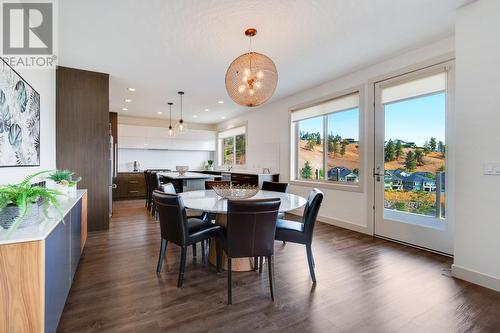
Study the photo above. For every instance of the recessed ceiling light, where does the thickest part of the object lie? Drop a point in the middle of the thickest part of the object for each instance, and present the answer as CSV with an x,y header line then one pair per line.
x,y
195,116
131,89
128,100
124,109
206,110
221,102
159,112
222,117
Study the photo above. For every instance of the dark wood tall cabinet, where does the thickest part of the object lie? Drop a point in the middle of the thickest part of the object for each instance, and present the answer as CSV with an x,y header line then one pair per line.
x,y
82,136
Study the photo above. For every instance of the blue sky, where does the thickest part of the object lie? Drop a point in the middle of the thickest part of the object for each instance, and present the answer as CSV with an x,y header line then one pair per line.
x,y
413,120
416,119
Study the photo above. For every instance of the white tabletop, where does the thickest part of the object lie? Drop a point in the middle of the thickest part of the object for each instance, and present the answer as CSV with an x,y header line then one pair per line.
x,y
209,201
187,175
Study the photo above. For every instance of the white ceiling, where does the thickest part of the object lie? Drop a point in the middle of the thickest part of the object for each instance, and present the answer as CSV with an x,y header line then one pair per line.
x,y
160,47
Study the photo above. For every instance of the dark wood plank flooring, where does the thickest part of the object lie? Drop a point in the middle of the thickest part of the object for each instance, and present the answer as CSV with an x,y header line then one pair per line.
x,y
364,285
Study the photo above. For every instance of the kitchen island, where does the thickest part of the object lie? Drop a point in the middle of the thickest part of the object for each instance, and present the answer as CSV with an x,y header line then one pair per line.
x,y
190,181
244,177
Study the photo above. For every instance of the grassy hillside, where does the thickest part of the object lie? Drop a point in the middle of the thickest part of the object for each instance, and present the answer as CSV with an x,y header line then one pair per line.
x,y
432,161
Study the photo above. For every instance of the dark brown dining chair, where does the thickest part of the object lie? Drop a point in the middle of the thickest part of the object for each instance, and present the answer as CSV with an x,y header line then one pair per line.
x,y
250,231
209,184
190,213
147,188
176,228
275,186
302,232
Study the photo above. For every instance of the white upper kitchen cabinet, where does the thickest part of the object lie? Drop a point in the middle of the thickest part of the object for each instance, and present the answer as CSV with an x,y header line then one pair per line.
x,y
147,137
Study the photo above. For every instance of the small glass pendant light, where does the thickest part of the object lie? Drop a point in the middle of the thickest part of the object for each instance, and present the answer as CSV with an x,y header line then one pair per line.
x,y
181,125
170,130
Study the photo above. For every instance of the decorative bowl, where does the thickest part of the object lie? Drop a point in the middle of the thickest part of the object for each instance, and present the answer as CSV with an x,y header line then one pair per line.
x,y
236,192
182,169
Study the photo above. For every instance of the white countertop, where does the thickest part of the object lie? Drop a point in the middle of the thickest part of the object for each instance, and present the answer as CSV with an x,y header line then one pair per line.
x,y
209,201
41,230
187,175
243,172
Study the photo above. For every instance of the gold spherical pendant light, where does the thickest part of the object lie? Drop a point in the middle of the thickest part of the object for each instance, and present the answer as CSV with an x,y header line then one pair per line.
x,y
252,77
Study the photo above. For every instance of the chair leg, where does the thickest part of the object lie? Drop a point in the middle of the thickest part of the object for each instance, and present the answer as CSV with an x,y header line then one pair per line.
x,y
270,268
310,261
255,263
229,281
203,251
284,243
182,267
161,257
194,250
261,263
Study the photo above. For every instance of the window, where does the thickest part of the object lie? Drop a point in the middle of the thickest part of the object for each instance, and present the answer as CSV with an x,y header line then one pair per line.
x,y
327,141
232,146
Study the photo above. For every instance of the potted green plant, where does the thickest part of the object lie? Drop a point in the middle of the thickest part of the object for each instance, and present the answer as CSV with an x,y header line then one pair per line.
x,y
20,203
64,181
210,165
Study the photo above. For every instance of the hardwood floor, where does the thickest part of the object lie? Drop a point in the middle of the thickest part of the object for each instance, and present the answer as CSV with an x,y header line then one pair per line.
x,y
364,285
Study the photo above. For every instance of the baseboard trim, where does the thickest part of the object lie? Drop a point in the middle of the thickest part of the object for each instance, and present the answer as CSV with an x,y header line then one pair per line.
x,y
345,225
475,277
337,223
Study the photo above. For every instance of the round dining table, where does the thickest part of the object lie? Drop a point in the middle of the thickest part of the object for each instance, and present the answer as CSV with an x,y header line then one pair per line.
x,y
208,201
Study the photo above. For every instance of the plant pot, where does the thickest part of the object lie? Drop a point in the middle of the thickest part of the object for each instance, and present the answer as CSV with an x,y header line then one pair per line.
x,y
61,188
211,168
10,213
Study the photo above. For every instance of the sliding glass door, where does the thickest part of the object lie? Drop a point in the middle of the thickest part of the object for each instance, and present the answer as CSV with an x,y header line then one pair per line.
x,y
411,146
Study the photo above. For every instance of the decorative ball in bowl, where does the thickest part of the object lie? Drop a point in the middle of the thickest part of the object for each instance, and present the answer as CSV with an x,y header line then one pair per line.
x,y
236,192
182,169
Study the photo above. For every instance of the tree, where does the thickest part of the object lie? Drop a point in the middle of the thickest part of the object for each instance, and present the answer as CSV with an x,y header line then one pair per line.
x,y
410,162
343,146
441,147
419,157
399,149
433,144
306,172
318,138
390,151
311,143
355,171
427,147
442,168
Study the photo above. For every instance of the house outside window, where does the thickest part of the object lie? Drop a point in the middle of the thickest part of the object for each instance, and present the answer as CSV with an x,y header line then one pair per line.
x,y
232,146
326,141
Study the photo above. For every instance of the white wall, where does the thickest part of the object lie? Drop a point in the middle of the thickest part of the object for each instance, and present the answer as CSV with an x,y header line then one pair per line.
x,y
269,126
162,159
44,82
477,223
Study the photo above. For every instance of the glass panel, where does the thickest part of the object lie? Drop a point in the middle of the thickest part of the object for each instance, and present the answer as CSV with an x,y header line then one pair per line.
x,y
414,151
228,149
343,146
310,150
240,149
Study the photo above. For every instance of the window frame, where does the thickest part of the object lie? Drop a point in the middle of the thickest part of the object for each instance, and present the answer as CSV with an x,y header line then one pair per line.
x,y
295,148
220,146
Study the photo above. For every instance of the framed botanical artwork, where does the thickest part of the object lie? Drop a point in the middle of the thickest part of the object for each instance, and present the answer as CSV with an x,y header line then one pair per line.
x,y
19,120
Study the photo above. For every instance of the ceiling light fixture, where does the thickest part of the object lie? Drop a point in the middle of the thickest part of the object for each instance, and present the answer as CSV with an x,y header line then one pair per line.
x,y
131,89
128,100
159,112
124,109
181,125
221,102
206,110
195,116
170,130
251,78
222,117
